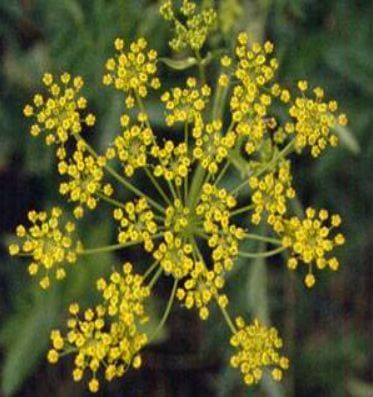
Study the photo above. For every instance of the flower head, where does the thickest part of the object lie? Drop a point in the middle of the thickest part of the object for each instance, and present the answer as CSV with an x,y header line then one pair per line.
x,y
314,120
309,240
48,243
132,71
108,337
85,179
136,223
58,114
199,22
257,348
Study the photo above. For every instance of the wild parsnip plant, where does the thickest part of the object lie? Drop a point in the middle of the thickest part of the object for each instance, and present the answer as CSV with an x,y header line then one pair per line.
x,y
192,229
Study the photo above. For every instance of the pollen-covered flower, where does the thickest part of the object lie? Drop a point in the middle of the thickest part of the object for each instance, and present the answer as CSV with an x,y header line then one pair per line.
x,y
132,148
212,146
85,179
250,102
107,338
186,104
309,240
132,71
256,349
136,223
222,236
173,161
192,29
48,243
313,120
174,255
58,114
201,287
271,192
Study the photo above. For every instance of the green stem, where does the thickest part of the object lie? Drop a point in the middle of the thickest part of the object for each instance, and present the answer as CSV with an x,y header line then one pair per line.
x,y
172,189
111,201
265,254
150,269
265,239
155,277
157,186
242,209
197,181
167,310
114,247
222,172
228,319
201,68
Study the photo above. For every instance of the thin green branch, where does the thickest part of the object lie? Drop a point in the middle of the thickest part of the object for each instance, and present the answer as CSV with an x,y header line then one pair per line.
x,y
167,310
265,254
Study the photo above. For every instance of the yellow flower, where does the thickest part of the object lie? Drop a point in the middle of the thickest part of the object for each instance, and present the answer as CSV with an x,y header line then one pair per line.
x,y
132,71
192,29
58,114
85,174
201,287
314,120
257,348
194,234
186,104
249,102
136,223
309,241
270,193
108,337
212,147
173,162
132,148
174,255
49,244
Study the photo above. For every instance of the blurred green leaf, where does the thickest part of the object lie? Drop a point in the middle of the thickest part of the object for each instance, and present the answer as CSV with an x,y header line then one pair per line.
x,y
358,388
179,64
348,139
25,338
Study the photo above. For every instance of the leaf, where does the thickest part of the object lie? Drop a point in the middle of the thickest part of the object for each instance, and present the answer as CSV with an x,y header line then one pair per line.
x,y
257,288
358,388
179,64
75,10
25,339
348,139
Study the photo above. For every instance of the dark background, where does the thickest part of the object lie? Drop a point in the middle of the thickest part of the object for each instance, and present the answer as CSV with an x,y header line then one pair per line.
x,y
327,331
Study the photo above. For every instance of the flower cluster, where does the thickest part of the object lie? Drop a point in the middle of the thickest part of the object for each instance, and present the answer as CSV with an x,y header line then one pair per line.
x,y
137,223
173,161
212,147
201,287
187,217
199,22
49,244
271,192
310,242
250,102
174,255
132,72
313,120
85,174
58,114
257,347
131,148
186,104
108,337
